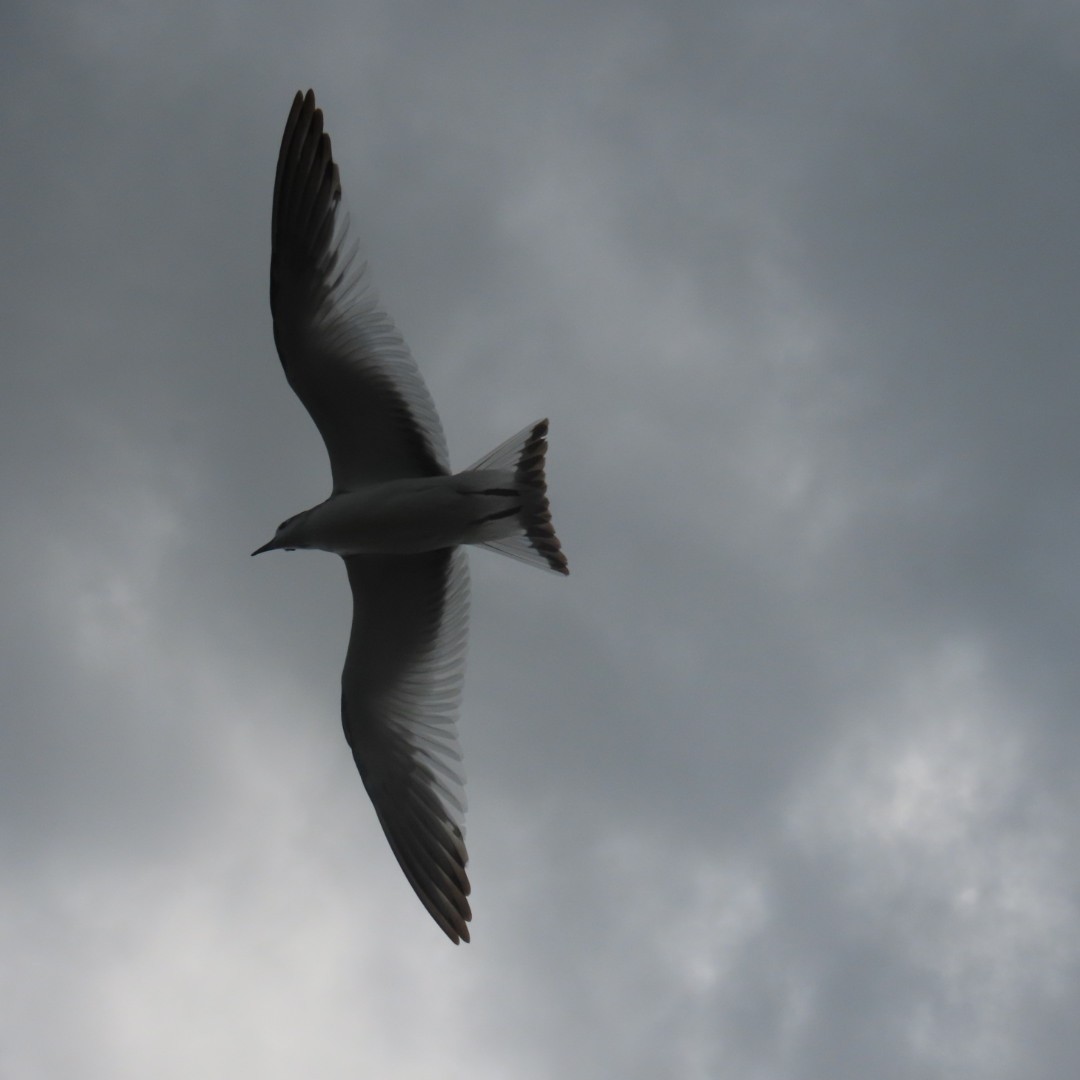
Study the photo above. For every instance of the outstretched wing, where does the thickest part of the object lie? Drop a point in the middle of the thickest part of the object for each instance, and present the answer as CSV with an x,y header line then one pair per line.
x,y
400,693
342,355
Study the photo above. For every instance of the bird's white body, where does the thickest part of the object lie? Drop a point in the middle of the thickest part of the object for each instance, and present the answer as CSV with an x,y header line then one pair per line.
x,y
409,516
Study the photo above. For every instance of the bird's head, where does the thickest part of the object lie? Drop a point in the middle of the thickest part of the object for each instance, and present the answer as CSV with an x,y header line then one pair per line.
x,y
289,535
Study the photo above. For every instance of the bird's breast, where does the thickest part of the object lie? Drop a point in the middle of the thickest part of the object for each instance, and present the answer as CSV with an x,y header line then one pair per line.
x,y
393,517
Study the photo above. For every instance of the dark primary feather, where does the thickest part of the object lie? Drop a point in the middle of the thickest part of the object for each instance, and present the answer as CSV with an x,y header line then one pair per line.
x,y
400,692
343,357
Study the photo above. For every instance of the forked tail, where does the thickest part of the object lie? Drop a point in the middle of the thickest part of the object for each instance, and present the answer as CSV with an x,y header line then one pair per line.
x,y
520,525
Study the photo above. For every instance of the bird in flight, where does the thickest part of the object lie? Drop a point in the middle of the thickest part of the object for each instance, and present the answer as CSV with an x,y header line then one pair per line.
x,y
397,515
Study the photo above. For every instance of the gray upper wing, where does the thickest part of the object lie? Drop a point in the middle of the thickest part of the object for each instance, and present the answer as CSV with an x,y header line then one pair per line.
x,y
401,689
342,355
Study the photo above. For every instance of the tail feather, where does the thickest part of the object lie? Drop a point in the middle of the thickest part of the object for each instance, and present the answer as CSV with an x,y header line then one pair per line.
x,y
529,534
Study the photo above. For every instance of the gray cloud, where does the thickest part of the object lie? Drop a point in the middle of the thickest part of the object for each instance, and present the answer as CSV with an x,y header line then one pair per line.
x,y
779,782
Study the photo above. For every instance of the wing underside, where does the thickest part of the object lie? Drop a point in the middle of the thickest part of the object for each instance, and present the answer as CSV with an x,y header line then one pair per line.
x,y
401,689
342,355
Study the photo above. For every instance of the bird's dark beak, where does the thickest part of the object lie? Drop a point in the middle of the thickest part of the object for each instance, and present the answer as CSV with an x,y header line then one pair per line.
x,y
266,547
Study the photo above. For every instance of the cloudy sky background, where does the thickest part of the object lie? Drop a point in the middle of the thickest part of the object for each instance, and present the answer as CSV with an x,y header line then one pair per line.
x,y
781,782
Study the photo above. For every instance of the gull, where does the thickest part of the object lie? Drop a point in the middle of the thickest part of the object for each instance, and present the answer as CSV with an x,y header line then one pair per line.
x,y
397,515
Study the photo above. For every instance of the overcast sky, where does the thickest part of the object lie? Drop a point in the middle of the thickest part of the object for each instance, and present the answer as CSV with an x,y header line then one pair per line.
x,y
781,782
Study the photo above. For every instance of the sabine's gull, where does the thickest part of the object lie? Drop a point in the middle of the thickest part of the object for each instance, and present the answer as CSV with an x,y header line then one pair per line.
x,y
397,515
